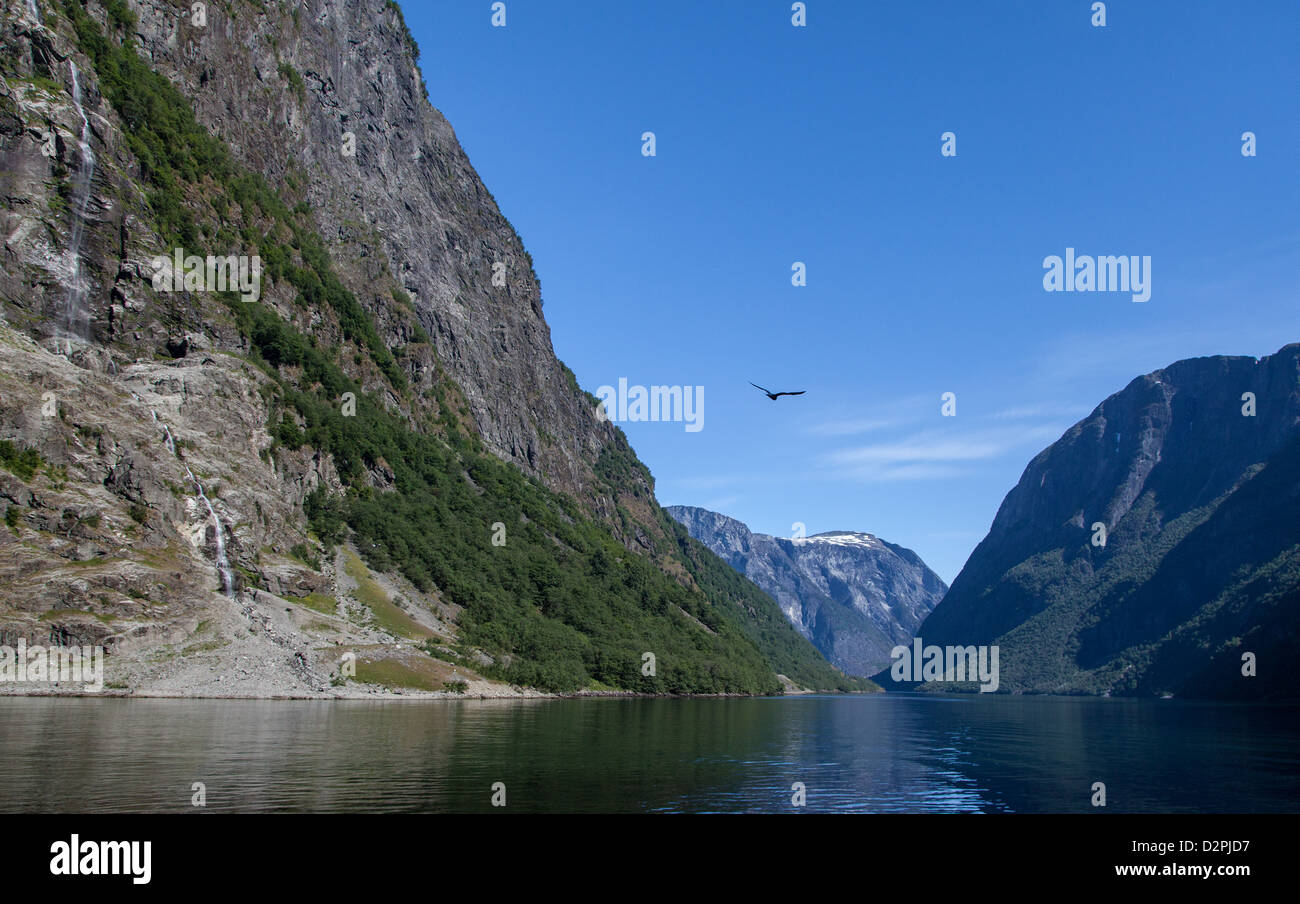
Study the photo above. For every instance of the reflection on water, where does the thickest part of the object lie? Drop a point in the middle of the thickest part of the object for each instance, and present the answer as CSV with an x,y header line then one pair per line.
x,y
905,753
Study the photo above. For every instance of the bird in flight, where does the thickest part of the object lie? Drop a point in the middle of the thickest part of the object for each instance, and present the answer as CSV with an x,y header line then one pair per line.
x,y
773,395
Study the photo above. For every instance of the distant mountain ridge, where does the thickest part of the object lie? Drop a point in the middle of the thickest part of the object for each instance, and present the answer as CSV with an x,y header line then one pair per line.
x,y
852,594
1198,498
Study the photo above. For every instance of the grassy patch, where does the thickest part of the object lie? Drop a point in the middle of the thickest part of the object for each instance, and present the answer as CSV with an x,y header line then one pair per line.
x,y
55,614
392,673
204,647
320,602
372,596
89,563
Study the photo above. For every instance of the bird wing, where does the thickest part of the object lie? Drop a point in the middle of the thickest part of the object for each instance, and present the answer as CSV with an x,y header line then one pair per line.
x,y
800,392
756,386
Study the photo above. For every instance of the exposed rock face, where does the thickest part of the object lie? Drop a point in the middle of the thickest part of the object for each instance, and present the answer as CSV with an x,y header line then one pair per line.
x,y
406,211
853,595
109,543
408,196
1201,561
109,535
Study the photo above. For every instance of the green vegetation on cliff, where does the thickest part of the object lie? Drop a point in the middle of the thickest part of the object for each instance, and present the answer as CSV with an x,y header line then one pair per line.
x,y
560,604
1199,572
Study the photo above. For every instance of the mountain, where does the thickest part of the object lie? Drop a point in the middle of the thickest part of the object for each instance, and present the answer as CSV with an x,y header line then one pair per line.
x,y
853,595
1197,487
360,466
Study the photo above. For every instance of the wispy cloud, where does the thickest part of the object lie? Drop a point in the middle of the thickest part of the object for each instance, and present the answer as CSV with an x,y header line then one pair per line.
x,y
721,504
936,454
1115,358
899,473
853,426
898,413
1025,412
918,449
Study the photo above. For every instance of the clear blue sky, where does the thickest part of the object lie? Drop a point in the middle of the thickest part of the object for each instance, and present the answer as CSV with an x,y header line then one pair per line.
x,y
822,144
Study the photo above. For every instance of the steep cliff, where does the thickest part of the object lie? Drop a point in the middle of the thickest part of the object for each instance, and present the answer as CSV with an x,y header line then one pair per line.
x,y
1191,477
852,594
190,467
325,101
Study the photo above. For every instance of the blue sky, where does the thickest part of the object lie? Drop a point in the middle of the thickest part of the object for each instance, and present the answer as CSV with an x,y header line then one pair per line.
x,y
778,144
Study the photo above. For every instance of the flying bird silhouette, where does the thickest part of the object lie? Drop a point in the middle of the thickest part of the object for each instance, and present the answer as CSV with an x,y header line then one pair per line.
x,y
773,395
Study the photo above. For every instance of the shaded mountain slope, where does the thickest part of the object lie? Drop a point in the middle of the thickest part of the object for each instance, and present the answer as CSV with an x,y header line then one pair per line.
x,y
1201,563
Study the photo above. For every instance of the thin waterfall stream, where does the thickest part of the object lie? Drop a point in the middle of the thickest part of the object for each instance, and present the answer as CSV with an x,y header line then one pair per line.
x,y
223,563
77,317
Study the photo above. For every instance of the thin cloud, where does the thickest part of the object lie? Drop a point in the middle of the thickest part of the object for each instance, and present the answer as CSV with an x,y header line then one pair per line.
x,y
935,454
853,427
898,413
1026,412
918,450
891,473
720,505
1119,357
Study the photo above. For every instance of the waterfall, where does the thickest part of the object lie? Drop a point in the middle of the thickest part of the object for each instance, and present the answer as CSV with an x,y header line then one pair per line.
x,y
35,10
77,320
223,563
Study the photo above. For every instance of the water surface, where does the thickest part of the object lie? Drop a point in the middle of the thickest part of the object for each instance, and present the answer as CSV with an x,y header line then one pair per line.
x,y
892,753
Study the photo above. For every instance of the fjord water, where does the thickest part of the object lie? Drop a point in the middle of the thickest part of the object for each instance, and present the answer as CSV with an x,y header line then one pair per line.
x,y
895,753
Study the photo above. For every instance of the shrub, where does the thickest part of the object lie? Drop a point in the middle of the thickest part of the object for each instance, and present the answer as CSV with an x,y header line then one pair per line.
x,y
23,462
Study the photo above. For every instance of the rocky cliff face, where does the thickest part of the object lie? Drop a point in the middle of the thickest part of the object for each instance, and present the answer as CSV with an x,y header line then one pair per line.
x,y
853,595
188,478
400,189
1194,486
325,100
